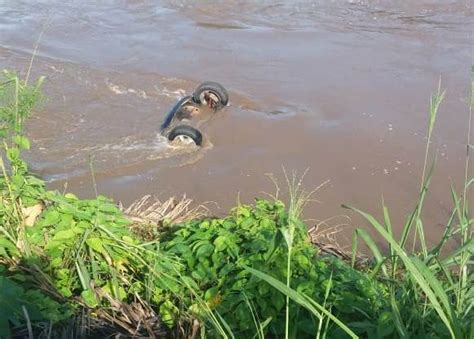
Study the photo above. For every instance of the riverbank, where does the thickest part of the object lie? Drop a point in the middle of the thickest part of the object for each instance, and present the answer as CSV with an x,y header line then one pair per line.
x,y
80,268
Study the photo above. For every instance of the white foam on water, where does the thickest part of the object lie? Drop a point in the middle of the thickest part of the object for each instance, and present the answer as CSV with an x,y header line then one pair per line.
x,y
120,90
176,94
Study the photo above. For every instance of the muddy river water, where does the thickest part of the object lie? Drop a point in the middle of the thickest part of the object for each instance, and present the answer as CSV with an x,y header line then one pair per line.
x,y
340,87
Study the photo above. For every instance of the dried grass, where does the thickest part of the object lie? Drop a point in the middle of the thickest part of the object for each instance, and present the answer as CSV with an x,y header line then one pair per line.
x,y
324,236
149,214
136,319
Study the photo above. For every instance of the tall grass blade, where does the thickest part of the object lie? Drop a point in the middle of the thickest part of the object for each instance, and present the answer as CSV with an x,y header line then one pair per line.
x,y
326,296
418,207
373,247
453,257
435,251
387,223
226,326
414,267
397,318
305,301
421,235
255,319
263,326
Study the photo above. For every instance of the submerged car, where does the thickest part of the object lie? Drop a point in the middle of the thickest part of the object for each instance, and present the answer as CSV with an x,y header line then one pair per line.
x,y
179,124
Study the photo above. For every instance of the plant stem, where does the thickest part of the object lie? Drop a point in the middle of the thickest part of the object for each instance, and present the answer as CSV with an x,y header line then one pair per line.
x,y
434,106
288,281
466,167
465,221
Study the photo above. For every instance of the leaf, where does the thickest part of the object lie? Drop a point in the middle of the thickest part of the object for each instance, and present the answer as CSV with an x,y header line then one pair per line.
x,y
190,283
420,273
13,154
4,327
50,217
205,224
248,223
198,275
83,274
360,232
385,325
226,326
95,244
311,305
287,236
227,224
108,208
397,319
303,261
220,243
211,293
244,211
470,182
64,235
128,239
7,248
205,250
168,313
22,142
18,180
89,298
71,196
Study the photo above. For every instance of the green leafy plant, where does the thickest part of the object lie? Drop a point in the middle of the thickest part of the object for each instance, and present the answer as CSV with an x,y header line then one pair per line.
x,y
17,101
18,304
215,253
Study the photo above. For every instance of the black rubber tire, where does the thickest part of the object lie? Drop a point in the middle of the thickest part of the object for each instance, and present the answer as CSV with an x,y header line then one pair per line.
x,y
188,131
216,89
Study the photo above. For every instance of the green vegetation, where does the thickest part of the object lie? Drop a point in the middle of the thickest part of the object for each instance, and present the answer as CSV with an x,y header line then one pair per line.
x,y
218,252
75,268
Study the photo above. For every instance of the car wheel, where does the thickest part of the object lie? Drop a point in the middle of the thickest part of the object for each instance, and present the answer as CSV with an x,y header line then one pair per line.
x,y
211,94
186,135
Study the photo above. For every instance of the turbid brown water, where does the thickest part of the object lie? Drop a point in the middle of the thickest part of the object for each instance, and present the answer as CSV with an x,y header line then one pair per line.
x,y
339,87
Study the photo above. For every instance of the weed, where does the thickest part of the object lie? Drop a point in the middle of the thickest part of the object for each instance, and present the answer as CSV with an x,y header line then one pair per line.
x,y
216,252
436,289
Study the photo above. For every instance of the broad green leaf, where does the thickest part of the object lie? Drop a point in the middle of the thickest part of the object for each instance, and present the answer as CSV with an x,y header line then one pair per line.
x,y
89,298
220,243
205,250
64,235
13,154
95,244
22,142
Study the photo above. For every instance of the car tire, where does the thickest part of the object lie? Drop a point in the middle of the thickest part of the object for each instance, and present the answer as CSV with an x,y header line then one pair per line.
x,y
208,91
187,133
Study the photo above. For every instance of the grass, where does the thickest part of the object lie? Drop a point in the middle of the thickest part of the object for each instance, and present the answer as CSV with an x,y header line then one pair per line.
x,y
150,214
440,285
83,268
